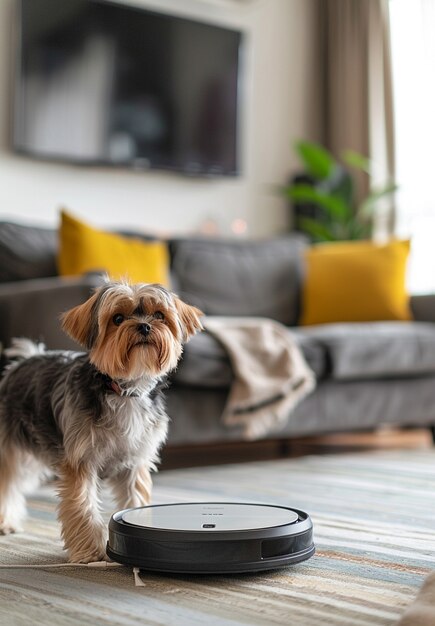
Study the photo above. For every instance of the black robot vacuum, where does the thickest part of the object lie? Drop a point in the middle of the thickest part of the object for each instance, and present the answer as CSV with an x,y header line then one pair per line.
x,y
210,537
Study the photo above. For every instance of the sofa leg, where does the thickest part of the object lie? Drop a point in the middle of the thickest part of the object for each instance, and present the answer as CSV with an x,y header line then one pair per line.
x,y
285,448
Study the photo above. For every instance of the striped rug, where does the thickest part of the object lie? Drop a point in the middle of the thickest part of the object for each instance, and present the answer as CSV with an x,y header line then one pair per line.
x,y
374,521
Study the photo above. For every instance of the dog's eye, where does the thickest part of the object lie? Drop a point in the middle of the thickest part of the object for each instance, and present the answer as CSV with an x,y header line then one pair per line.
x,y
118,319
158,315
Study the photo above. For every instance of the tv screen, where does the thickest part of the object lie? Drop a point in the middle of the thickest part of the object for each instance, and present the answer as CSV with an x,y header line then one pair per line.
x,y
105,83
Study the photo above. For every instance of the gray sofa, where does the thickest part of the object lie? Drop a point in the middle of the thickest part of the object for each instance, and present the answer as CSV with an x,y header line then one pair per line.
x,y
368,374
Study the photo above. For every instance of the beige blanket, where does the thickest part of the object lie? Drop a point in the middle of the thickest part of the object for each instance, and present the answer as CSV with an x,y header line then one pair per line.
x,y
270,373
422,611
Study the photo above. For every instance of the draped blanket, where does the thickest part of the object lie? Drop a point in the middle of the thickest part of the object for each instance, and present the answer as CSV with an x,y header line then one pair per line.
x,y
271,375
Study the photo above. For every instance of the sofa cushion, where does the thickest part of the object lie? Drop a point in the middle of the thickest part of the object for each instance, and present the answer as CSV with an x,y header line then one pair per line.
x,y
377,350
205,362
254,278
26,252
314,352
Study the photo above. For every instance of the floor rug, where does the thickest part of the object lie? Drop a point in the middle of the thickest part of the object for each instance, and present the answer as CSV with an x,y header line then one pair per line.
x,y
373,516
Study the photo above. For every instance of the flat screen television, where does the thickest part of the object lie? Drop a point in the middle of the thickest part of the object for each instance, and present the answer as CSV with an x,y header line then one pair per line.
x,y
110,84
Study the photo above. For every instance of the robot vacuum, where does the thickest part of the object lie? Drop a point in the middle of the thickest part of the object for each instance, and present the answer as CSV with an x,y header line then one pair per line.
x,y
210,537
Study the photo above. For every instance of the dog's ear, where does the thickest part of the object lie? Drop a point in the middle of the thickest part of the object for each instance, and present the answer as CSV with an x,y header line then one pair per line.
x,y
189,318
81,322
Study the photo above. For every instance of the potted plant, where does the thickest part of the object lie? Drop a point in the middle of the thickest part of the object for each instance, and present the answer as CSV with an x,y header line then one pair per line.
x,y
325,195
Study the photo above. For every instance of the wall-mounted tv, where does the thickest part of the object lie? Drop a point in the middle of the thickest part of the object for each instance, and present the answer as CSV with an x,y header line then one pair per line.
x,y
110,84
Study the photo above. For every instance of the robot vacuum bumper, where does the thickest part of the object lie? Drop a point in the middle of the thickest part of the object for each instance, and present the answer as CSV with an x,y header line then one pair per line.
x,y
210,537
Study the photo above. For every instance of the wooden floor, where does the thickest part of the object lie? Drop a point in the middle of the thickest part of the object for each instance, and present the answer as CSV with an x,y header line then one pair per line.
x,y
238,452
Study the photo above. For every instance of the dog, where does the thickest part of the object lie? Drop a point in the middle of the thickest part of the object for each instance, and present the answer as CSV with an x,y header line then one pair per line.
x,y
94,415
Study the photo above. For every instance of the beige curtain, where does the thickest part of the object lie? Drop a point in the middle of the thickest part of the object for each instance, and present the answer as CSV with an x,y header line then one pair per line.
x,y
356,88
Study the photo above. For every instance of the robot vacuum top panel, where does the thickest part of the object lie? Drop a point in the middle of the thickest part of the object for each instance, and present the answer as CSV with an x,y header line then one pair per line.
x,y
210,516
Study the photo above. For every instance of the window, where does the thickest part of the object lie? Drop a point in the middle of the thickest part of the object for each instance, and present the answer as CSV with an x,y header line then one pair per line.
x,y
413,54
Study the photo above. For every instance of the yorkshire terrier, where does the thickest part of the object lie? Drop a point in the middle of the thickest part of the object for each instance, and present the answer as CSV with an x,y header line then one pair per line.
x,y
94,415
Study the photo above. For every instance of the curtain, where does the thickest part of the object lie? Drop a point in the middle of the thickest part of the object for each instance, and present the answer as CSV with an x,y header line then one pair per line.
x,y
356,87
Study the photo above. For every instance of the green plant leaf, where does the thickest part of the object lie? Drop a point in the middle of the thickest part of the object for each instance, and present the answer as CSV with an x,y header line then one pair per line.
x,y
317,230
357,160
317,161
333,205
368,205
358,230
344,188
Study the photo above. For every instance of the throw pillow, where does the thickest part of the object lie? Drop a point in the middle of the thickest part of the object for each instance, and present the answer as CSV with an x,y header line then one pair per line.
x,y
355,281
83,249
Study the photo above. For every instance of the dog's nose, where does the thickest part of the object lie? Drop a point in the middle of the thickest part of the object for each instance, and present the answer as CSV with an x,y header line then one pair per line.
x,y
144,329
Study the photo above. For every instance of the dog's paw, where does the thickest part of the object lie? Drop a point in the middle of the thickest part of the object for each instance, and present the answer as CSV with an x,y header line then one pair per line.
x,y
89,555
7,529
88,558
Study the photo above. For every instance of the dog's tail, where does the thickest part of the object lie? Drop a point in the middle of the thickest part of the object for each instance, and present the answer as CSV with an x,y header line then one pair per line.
x,y
23,348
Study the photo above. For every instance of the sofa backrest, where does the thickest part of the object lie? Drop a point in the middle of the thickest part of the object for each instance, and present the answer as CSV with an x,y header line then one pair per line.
x,y
27,252
240,277
221,276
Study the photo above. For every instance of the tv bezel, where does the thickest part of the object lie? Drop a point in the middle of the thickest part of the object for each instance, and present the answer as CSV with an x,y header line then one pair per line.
x,y
140,164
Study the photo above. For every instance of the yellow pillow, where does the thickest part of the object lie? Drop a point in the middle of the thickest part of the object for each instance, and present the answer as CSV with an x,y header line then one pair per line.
x,y
355,281
85,249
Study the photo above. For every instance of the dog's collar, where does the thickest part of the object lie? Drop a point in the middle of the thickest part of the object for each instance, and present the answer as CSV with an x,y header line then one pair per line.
x,y
114,387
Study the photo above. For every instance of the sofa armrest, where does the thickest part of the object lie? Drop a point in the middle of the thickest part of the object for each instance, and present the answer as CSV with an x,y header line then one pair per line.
x,y
31,308
423,308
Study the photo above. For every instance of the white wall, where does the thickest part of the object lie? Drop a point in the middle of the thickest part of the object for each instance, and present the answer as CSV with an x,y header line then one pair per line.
x,y
278,107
